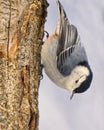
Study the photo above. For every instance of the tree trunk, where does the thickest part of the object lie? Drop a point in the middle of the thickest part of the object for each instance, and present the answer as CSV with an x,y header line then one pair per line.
x,y
21,33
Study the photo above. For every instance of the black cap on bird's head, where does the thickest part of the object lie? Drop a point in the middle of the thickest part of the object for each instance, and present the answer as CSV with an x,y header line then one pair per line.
x,y
86,83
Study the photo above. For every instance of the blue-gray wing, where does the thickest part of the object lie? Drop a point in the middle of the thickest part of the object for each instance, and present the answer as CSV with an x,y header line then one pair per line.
x,y
68,59
63,61
68,41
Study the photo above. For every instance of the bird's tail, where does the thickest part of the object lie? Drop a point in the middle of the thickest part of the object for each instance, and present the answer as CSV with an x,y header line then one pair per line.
x,y
62,22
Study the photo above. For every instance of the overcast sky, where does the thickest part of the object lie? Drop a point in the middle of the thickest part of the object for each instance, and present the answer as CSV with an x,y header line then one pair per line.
x,y
85,111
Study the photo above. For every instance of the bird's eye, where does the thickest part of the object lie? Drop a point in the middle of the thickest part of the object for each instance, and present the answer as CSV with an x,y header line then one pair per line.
x,y
76,81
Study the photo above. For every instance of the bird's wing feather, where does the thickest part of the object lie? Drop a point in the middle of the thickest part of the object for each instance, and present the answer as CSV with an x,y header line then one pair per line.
x,y
68,40
67,33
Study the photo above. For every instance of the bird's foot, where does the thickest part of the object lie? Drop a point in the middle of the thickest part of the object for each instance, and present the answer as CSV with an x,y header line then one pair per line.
x,y
41,66
47,34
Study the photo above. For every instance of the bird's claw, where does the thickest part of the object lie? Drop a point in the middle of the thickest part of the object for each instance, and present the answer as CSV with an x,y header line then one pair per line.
x,y
47,34
41,71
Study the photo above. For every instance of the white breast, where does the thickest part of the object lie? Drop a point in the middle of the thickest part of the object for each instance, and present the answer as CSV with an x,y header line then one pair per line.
x,y
48,55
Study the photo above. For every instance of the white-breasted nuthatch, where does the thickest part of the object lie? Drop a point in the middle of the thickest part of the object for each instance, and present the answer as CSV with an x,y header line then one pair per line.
x,y
64,59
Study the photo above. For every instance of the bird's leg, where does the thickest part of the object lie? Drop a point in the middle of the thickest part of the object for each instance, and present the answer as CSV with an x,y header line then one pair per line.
x,y
47,34
41,67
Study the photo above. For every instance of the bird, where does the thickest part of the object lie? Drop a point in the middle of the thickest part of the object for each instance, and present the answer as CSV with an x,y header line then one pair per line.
x,y
64,58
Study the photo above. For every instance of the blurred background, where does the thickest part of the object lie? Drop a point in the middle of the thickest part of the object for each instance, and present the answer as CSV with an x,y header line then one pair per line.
x,y
85,111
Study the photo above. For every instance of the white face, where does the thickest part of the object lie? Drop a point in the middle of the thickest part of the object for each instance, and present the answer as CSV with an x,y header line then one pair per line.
x,y
78,75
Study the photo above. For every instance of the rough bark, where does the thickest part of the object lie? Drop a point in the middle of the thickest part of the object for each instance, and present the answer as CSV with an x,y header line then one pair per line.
x,y
21,33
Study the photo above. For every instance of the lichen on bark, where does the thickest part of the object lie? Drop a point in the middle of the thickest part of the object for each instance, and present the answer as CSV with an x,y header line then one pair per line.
x,y
21,33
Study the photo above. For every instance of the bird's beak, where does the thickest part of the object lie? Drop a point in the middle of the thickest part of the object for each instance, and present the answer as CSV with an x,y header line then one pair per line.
x,y
72,95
